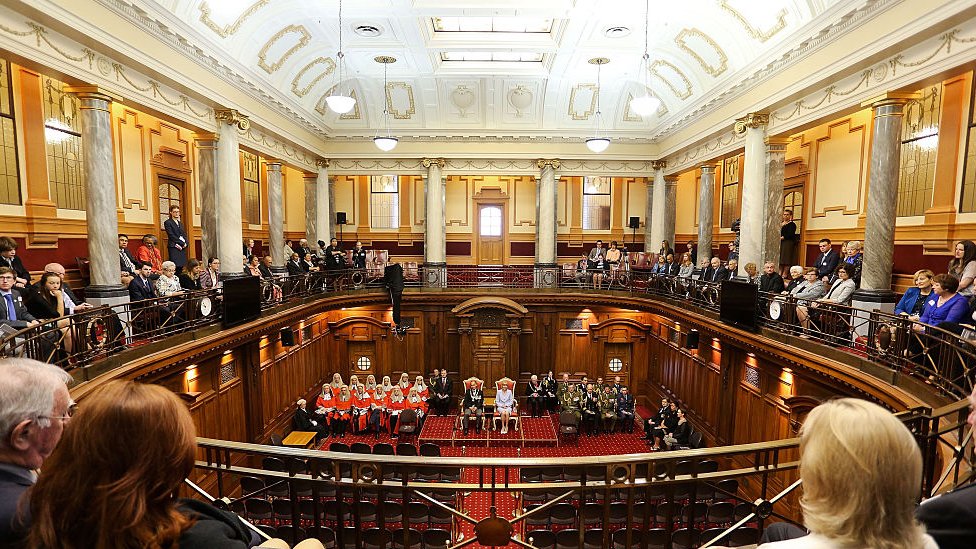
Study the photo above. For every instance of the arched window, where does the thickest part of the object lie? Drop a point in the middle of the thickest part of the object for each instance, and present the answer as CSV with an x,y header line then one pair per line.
x,y
491,221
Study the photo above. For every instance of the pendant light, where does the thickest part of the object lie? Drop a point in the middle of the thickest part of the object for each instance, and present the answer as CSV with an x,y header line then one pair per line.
x,y
598,143
339,103
646,104
385,142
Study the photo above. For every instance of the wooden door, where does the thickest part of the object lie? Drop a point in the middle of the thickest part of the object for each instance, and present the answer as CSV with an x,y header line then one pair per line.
x,y
617,361
490,354
491,234
170,193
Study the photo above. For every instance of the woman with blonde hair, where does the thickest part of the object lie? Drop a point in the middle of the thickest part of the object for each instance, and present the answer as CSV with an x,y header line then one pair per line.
x,y
861,469
395,403
98,494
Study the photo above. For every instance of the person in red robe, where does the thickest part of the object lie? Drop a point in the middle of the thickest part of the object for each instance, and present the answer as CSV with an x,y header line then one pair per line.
x,y
377,413
395,404
417,404
344,411
360,409
325,406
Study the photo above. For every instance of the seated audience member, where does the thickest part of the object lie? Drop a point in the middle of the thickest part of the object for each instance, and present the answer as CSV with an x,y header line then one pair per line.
x,y
13,312
361,405
325,409
582,271
141,289
661,266
387,385
752,274
853,260
371,383
34,407
443,387
811,288
377,410
692,250
563,386
190,280
320,254
827,261
504,404
840,293
733,251
549,389
416,403
860,467
308,264
9,259
421,386
614,255
665,426
253,266
590,404
625,409
168,283
608,410
128,264
288,249
599,267
344,412
962,265
682,431
303,247
99,493
149,254
687,267
535,395
473,406
770,281
395,405
715,272
72,303
796,277
304,421
404,383
45,301
294,266
265,268
210,278
951,517
947,305
912,303
571,400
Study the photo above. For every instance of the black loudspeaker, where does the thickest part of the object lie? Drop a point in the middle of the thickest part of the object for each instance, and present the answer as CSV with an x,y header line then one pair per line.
x,y
340,218
287,337
692,341
634,223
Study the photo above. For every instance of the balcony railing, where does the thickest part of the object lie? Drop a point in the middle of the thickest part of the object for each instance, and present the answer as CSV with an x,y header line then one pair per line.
x,y
931,355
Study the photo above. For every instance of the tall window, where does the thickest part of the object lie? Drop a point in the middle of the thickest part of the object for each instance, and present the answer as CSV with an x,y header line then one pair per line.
x,y
384,201
730,191
9,174
62,131
919,145
251,170
793,201
596,203
491,221
967,202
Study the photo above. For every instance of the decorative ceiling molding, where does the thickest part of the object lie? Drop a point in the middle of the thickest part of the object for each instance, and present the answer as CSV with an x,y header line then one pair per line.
x,y
573,112
302,36
672,70
694,35
472,166
227,30
303,91
394,91
275,148
758,34
718,145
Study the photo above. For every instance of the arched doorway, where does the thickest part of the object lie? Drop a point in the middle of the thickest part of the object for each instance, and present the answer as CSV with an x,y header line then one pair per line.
x,y
490,328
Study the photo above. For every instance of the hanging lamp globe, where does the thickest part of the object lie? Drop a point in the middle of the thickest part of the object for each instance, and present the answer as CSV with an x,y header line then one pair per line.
x,y
645,105
385,143
340,104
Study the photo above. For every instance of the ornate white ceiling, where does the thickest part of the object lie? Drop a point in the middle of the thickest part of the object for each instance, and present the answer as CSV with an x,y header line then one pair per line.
x,y
699,49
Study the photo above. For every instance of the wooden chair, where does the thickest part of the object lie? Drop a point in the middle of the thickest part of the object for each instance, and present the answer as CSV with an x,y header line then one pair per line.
x,y
515,407
459,422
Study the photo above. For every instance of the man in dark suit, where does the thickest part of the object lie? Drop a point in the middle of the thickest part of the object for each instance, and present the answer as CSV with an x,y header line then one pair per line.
x,y
294,266
265,267
951,518
827,261
12,310
671,266
9,259
35,426
176,239
770,280
443,387
303,248
128,264
473,406
359,256
303,422
715,272
141,287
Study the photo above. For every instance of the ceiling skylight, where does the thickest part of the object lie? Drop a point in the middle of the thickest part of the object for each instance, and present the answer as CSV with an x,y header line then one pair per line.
x,y
524,25
496,56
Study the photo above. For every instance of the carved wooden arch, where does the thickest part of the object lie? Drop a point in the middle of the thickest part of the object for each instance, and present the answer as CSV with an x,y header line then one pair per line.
x,y
799,407
338,325
641,328
493,302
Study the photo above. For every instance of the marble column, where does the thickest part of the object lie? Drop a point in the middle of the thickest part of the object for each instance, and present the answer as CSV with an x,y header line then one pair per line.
x,y
670,208
276,213
879,228
206,145
649,244
324,215
656,220
773,219
101,199
706,205
754,196
228,192
546,269
310,232
435,237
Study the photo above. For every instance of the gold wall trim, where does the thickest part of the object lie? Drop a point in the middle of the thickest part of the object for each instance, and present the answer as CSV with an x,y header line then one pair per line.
x,y
227,30
411,106
299,30
585,115
755,32
682,42
329,68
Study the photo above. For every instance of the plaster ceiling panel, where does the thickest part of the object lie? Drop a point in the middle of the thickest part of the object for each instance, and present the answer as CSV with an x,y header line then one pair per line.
x,y
463,101
521,102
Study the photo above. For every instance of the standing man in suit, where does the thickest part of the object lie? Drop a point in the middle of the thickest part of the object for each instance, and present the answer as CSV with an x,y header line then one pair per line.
x,y
335,258
9,259
12,309
951,518
359,256
128,264
827,261
597,252
176,239
443,386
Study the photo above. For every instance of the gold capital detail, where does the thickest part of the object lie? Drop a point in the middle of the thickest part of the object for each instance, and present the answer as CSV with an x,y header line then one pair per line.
x,y
659,164
548,163
323,163
707,168
671,179
751,120
428,162
234,118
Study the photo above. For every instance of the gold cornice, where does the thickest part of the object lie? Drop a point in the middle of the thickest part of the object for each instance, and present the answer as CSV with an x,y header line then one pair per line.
x,y
659,164
273,162
544,163
671,179
891,98
323,163
233,117
428,162
751,120
227,30
93,92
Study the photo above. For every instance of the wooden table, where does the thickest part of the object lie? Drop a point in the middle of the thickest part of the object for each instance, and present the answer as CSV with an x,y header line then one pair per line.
x,y
299,439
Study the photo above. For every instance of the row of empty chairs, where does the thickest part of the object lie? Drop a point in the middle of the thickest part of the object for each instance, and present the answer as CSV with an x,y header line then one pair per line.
x,y
656,538
615,515
386,449
281,512
369,538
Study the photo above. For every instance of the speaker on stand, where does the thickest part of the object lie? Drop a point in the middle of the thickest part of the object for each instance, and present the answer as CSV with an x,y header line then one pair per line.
x,y
287,337
634,224
692,340
340,221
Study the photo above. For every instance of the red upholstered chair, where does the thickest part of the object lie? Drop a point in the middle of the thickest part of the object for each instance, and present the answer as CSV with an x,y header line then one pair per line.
x,y
515,409
458,424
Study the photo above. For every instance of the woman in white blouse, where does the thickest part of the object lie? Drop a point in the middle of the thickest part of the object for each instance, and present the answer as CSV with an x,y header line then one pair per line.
x,y
168,283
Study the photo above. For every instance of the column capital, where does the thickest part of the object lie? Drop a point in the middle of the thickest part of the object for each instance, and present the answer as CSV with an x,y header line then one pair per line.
x,y
547,163
777,144
233,117
93,92
671,179
751,120
428,162
707,168
323,163
891,98
205,136
659,164
273,162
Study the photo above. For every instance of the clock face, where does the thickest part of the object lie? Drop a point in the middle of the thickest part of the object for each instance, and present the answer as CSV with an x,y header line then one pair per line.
x,y
775,309
206,306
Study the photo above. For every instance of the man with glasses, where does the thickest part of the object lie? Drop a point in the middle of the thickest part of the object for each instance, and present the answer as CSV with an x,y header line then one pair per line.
x,y
34,408
12,310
